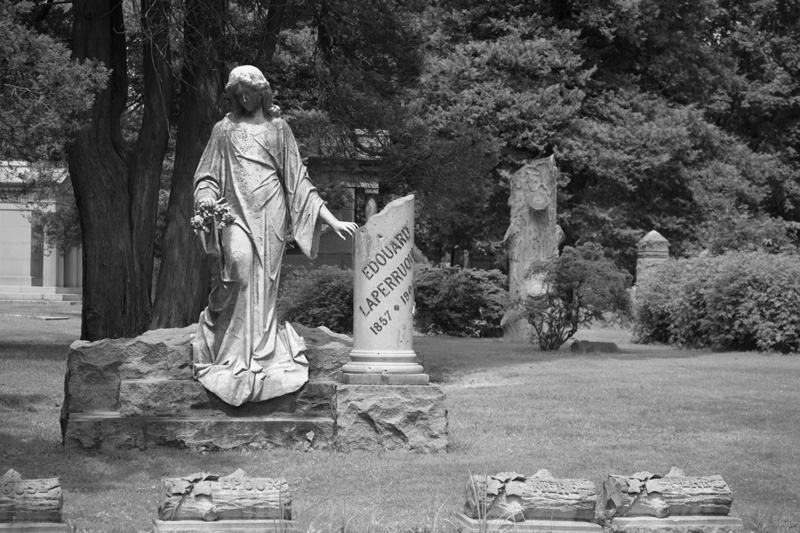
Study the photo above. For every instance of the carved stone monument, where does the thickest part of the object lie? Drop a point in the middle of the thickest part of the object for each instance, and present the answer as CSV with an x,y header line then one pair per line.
x,y
645,502
123,394
208,502
532,235
31,505
249,185
383,301
652,250
529,503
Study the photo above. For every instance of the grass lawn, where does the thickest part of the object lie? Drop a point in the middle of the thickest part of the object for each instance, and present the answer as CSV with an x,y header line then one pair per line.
x,y
510,408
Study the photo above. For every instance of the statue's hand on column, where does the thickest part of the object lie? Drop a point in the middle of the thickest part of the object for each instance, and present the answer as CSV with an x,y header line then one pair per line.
x,y
344,228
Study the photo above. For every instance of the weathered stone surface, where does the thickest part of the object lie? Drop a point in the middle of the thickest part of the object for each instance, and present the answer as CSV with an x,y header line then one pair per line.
x,y
532,235
159,354
646,494
593,347
516,498
29,500
104,432
161,397
325,353
473,525
210,497
391,417
678,524
95,369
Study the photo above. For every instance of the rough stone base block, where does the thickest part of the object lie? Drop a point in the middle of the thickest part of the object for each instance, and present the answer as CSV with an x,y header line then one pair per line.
x,y
110,431
391,417
226,526
467,524
36,527
678,524
384,379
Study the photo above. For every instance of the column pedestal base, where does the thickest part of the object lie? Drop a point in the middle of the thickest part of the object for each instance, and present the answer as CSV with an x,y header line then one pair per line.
x,y
384,379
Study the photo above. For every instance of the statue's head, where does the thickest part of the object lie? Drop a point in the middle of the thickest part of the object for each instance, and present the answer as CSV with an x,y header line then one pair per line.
x,y
247,86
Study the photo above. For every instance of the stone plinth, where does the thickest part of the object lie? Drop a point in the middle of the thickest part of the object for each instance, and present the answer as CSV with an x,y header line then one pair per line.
x,y
383,299
678,524
138,393
473,525
229,526
36,527
386,417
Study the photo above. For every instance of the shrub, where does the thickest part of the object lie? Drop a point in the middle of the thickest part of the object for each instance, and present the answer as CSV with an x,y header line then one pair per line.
x,y
577,287
320,297
735,301
459,301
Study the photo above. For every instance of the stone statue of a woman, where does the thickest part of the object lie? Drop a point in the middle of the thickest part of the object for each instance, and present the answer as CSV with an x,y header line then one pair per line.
x,y
241,353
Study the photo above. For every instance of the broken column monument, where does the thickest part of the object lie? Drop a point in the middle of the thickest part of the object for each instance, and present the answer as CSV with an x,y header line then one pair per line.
x,y
384,390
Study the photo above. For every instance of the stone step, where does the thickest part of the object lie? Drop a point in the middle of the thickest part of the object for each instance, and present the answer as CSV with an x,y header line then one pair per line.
x,y
41,290
181,397
94,431
34,296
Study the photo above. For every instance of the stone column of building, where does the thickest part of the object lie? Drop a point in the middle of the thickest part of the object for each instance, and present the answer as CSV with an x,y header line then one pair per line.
x,y
50,270
652,250
383,301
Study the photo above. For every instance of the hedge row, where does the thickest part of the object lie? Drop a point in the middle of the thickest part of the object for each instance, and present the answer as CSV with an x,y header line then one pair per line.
x,y
453,301
735,301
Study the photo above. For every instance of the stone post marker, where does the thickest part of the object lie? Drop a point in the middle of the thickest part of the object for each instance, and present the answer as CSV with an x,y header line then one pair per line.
x,y
652,250
383,301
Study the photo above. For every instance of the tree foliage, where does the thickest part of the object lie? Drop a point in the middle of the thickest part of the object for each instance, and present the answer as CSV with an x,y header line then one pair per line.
x,y
42,91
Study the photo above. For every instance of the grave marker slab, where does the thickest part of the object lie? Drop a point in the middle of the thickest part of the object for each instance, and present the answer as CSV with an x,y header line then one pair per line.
x,y
208,502
512,497
31,504
672,503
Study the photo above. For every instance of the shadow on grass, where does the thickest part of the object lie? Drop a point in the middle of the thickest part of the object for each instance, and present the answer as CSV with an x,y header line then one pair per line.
x,y
20,401
444,356
33,350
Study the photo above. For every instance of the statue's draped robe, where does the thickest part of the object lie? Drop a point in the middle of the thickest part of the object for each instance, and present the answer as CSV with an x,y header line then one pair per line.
x,y
241,354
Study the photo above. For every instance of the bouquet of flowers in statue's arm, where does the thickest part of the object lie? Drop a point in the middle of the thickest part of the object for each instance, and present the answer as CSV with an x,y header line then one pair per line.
x,y
208,221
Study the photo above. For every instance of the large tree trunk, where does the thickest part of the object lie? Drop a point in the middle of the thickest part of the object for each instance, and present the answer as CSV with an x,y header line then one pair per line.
x,y
182,289
114,197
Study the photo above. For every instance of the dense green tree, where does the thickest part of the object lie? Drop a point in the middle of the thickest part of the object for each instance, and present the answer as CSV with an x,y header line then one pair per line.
x,y
500,84
42,92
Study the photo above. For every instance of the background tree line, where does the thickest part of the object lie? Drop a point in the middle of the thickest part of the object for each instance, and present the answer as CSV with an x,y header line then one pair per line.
x,y
676,116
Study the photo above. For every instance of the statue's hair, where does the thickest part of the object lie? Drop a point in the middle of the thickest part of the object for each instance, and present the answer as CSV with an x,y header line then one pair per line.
x,y
252,78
